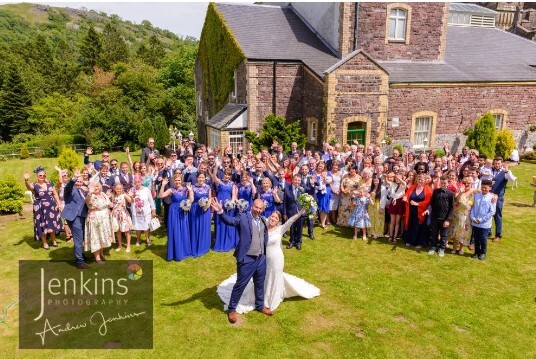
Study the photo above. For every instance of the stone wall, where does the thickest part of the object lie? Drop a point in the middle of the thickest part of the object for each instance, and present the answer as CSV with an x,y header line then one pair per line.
x,y
426,38
458,108
346,27
313,102
356,91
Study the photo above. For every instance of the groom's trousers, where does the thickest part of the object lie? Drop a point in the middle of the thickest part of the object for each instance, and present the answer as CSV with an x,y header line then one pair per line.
x,y
252,267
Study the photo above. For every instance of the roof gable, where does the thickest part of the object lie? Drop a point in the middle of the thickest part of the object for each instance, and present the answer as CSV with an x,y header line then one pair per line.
x,y
356,60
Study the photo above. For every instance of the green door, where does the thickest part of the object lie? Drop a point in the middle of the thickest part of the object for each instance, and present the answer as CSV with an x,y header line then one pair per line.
x,y
356,131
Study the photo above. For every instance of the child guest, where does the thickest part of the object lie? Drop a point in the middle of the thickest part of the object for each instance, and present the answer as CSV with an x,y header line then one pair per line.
x,y
481,214
360,218
442,205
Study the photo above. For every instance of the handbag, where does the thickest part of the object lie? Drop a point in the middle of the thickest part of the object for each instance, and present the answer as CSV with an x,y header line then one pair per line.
x,y
154,224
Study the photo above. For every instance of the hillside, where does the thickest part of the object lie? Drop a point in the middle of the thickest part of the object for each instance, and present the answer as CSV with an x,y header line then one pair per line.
x,y
74,75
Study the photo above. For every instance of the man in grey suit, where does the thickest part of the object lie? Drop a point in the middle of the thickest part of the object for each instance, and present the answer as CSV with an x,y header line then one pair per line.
x,y
148,152
74,213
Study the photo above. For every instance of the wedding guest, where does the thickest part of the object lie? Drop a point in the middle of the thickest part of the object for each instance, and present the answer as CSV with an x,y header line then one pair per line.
x,y
481,213
226,235
442,208
245,189
360,219
75,212
335,198
98,232
349,183
376,211
121,221
103,178
322,181
460,228
125,178
291,206
501,176
269,196
200,216
149,152
46,212
142,209
179,244
97,164
417,199
397,207
63,180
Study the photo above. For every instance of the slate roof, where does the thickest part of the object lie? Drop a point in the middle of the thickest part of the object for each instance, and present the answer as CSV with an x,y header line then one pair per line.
x,y
473,54
226,115
471,8
276,33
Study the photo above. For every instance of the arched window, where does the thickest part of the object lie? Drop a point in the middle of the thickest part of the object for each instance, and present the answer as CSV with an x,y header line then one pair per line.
x,y
398,23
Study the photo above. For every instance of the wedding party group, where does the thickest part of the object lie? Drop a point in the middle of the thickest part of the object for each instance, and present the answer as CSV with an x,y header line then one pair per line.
x,y
224,200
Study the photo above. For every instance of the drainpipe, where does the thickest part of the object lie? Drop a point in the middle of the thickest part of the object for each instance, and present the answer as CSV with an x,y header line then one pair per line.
x,y
356,22
274,83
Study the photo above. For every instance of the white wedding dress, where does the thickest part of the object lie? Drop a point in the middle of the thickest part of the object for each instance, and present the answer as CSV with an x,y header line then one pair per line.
x,y
277,284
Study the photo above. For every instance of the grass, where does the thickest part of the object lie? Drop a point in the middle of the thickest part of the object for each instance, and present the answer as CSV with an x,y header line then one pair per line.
x,y
378,300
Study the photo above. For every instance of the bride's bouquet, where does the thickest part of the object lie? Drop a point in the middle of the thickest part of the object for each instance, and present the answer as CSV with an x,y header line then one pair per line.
x,y
229,204
203,202
185,205
308,202
242,205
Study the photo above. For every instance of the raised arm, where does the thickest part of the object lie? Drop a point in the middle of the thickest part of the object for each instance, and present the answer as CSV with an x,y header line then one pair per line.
x,y
291,220
27,181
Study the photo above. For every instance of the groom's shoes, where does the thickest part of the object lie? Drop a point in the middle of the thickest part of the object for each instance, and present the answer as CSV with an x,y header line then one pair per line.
x,y
232,317
290,245
298,247
266,311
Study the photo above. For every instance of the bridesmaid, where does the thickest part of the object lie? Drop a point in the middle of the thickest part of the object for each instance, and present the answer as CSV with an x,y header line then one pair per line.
x,y
335,191
200,217
245,189
322,191
179,245
226,236
45,208
268,196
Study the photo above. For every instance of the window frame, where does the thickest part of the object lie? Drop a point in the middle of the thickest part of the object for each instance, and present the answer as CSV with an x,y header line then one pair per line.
x,y
233,136
407,9
431,130
504,116
312,125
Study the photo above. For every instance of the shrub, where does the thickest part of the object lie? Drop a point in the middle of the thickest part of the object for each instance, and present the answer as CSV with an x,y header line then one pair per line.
x,y
531,156
69,160
11,196
24,154
38,153
275,128
52,144
440,153
505,143
482,135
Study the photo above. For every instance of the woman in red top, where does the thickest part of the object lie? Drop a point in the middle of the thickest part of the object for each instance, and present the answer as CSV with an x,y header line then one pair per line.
x,y
417,199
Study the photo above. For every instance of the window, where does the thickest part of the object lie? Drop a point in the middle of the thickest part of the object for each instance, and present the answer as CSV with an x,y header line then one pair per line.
x,y
236,139
422,132
356,131
498,120
397,24
214,136
456,18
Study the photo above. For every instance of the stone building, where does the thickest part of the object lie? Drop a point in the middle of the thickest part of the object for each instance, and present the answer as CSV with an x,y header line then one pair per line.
x,y
420,73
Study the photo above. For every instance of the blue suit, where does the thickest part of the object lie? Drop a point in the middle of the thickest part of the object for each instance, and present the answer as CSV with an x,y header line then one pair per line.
x,y
309,188
290,208
247,267
75,212
499,187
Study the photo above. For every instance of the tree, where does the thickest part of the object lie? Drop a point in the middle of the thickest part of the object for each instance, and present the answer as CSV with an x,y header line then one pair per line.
x,y
24,153
114,48
274,128
153,53
68,160
482,135
15,103
11,196
505,143
90,51
155,127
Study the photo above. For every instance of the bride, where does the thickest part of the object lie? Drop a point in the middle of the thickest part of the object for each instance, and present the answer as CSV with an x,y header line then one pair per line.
x,y
277,284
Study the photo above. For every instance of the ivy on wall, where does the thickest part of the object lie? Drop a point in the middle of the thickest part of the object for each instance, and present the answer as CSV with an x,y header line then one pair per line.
x,y
219,56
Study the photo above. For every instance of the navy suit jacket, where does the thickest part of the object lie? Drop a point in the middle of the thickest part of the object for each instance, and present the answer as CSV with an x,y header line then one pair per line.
x,y
75,205
290,204
242,222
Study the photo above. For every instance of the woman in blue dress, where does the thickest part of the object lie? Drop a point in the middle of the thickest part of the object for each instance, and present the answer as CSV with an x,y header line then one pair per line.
x,y
226,236
200,216
179,245
322,181
269,196
246,190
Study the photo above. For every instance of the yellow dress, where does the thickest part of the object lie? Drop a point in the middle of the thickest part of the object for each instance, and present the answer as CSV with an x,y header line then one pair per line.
x,y
460,226
377,218
345,206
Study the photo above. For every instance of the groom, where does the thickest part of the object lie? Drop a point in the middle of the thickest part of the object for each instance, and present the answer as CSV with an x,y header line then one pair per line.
x,y
250,254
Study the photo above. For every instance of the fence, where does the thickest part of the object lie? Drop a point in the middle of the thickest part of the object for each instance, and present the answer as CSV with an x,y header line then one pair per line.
x,y
80,148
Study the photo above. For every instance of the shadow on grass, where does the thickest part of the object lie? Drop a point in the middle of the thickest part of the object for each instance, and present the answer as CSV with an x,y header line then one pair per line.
x,y
30,241
207,296
517,204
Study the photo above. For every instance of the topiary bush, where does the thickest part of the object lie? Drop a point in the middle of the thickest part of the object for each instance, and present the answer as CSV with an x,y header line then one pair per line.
x,y
24,153
505,143
69,160
482,135
11,196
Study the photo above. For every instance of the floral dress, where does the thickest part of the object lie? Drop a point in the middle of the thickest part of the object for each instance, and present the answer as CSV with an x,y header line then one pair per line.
x,y
121,221
45,211
360,217
98,233
345,207
460,226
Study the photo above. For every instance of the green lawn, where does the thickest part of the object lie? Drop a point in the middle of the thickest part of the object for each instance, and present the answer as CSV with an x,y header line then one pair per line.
x,y
378,300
